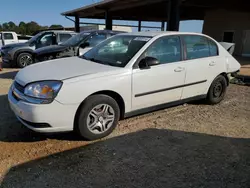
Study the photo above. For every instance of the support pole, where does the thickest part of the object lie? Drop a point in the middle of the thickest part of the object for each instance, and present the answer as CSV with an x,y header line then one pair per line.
x,y
163,26
77,24
139,25
108,21
173,15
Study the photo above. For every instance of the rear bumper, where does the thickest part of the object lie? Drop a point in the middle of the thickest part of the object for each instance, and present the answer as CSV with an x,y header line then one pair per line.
x,y
234,74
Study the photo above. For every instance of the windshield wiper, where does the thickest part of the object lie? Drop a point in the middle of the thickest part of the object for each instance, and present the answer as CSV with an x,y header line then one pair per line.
x,y
98,61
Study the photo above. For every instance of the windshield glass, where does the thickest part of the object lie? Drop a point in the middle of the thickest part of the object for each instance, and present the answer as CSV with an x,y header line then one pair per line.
x,y
75,40
116,51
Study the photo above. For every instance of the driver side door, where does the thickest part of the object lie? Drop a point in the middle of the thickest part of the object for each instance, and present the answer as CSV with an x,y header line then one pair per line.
x,y
161,83
46,40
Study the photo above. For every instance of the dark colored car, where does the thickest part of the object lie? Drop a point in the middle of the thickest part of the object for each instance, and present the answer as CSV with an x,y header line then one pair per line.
x,y
20,54
75,46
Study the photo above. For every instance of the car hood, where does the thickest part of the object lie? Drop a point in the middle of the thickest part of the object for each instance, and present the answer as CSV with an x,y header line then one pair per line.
x,y
60,69
51,49
15,45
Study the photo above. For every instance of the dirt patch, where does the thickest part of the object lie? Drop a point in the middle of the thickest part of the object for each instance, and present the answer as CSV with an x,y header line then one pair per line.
x,y
192,145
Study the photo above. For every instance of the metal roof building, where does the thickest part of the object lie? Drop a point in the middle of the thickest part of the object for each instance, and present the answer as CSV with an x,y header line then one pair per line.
x,y
227,20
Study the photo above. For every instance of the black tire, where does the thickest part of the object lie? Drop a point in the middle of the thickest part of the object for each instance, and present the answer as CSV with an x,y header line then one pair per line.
x,y
21,63
217,90
81,126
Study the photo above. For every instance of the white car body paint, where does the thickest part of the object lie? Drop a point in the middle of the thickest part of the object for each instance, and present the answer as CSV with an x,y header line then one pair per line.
x,y
82,78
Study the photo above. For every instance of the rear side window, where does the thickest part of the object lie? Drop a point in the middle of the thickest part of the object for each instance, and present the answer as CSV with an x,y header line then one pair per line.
x,y
196,47
63,37
213,48
8,36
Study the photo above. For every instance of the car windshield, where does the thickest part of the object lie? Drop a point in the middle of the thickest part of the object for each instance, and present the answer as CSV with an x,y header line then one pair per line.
x,y
116,51
76,40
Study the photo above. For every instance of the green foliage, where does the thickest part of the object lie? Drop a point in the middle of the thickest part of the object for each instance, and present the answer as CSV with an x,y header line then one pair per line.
x,y
54,26
25,28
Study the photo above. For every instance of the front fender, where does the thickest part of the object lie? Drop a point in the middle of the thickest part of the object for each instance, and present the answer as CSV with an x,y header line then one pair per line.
x,y
76,90
16,52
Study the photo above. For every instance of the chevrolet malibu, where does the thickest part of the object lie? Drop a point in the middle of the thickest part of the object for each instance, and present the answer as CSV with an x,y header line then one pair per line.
x,y
125,75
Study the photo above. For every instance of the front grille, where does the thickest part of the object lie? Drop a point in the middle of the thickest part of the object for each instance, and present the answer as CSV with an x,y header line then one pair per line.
x,y
19,87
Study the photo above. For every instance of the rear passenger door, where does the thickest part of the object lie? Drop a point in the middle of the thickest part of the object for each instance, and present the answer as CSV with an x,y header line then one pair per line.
x,y
202,64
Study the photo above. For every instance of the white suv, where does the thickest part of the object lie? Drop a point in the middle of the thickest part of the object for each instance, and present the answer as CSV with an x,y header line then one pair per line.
x,y
125,75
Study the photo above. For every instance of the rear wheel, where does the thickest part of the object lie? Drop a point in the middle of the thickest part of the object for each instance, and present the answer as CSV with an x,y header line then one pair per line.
x,y
24,59
217,90
98,117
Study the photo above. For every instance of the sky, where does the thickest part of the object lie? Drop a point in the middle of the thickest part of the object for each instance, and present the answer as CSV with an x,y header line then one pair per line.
x,y
48,12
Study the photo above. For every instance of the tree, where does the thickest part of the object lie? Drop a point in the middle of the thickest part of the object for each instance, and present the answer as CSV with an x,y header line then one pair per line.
x,y
54,26
12,26
5,26
22,28
26,28
32,27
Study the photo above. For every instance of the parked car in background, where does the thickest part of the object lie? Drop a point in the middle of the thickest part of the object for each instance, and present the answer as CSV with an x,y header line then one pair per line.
x,y
9,37
20,54
125,75
75,46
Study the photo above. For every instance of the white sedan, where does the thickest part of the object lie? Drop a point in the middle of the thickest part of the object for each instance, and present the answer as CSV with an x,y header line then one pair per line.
x,y
144,71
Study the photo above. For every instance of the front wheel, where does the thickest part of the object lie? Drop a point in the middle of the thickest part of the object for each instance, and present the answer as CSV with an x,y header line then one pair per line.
x,y
217,90
99,115
24,59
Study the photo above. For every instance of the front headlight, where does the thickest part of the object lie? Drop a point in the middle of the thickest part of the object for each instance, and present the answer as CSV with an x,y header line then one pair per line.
x,y
44,90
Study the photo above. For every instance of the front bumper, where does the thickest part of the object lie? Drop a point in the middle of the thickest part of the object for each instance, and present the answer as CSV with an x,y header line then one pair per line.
x,y
6,58
53,117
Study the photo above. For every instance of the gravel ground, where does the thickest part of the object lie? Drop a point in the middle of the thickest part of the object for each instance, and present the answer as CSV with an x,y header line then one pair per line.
x,y
192,145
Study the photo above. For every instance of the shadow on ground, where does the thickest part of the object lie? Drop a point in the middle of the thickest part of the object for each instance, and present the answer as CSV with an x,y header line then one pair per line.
x,y
149,158
11,130
8,75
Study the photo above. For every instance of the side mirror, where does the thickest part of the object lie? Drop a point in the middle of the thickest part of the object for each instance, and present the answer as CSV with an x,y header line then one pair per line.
x,y
147,62
85,44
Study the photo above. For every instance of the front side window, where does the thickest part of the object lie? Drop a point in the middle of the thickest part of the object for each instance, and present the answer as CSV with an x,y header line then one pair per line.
x,y
196,46
8,36
165,49
116,51
47,40
96,39
63,37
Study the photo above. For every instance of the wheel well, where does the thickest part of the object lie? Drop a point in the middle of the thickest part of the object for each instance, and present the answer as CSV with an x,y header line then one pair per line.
x,y
112,94
225,75
19,52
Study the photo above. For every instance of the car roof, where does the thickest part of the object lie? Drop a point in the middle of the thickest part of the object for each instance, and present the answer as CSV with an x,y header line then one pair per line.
x,y
159,33
102,31
61,31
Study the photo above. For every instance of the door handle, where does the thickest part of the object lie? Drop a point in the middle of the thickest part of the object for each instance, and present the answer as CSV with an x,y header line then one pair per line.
x,y
212,63
179,69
